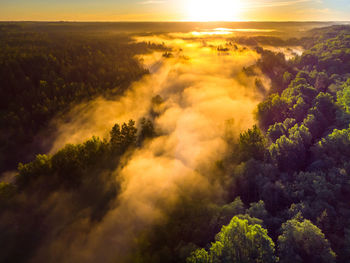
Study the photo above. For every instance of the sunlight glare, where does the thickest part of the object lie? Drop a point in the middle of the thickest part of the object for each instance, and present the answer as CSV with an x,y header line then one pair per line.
x,y
218,10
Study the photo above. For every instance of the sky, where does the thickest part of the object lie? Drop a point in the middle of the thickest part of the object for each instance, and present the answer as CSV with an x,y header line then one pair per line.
x,y
175,10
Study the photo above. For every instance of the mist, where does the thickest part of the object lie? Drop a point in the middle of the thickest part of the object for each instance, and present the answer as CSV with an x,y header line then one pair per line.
x,y
202,97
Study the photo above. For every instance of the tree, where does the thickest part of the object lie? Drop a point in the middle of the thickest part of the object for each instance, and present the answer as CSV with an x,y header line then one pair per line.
x,y
123,138
252,145
115,137
258,210
128,133
324,109
343,97
273,109
303,242
41,166
300,133
238,242
296,91
314,125
335,147
321,82
287,77
276,130
300,109
146,131
287,154
199,256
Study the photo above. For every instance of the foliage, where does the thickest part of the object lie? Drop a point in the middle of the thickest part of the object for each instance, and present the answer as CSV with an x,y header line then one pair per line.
x,y
303,242
84,177
252,144
343,97
284,181
238,242
46,70
273,109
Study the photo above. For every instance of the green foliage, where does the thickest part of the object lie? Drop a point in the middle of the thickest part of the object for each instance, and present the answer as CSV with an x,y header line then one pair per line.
x,y
274,65
300,96
287,77
81,178
322,81
343,97
41,166
300,172
46,69
252,144
324,108
303,242
278,129
300,133
255,180
258,210
71,165
238,242
295,91
289,153
335,147
199,256
234,208
331,55
273,109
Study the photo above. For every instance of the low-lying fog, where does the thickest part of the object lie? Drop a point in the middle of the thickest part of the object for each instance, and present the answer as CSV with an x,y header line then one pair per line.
x,y
202,97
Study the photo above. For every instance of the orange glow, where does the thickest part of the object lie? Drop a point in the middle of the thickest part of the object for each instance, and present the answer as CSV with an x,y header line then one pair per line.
x,y
218,10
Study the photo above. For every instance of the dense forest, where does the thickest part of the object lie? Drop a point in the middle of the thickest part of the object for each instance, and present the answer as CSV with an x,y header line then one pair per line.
x,y
46,70
285,180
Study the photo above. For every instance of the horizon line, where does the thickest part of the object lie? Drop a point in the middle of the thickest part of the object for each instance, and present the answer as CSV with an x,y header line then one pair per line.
x,y
173,21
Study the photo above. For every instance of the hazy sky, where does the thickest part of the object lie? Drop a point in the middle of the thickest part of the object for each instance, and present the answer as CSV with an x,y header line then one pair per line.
x,y
174,10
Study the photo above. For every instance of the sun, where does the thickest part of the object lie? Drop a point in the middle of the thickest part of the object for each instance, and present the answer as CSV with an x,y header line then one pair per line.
x,y
214,10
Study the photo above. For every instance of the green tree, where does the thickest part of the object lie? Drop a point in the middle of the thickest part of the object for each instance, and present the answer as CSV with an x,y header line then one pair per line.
x,y
199,256
258,210
273,109
41,166
303,242
343,97
238,242
276,130
334,147
324,109
287,154
287,77
252,145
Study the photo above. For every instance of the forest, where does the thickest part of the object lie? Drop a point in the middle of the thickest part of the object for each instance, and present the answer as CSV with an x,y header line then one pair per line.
x,y
43,72
284,185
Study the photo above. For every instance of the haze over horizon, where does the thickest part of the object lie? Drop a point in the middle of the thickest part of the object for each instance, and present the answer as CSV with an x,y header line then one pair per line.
x,y
171,10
